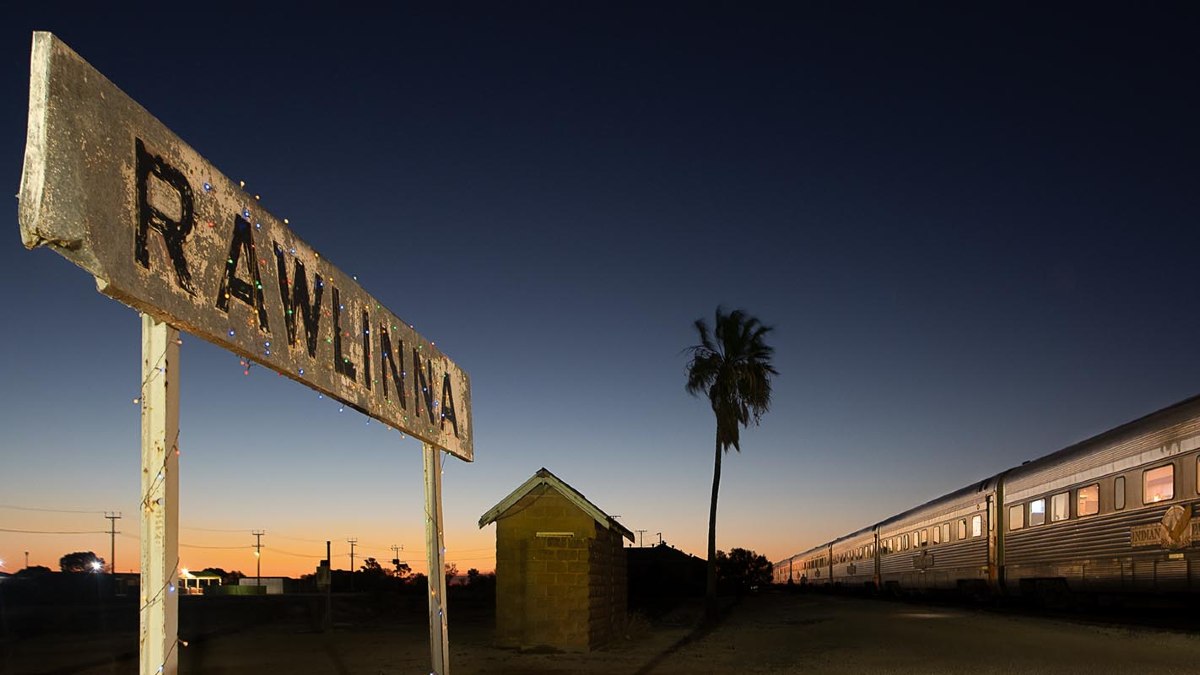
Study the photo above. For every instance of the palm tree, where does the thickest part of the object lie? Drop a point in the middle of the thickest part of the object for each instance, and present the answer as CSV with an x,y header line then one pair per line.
x,y
732,367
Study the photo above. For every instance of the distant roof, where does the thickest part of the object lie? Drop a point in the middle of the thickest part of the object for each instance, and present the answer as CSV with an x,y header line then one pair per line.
x,y
544,477
188,574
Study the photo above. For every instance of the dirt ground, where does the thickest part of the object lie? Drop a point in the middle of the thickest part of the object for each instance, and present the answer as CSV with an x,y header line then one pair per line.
x,y
768,633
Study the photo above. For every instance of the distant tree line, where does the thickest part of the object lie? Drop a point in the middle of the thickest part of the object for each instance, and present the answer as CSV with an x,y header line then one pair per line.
x,y
742,570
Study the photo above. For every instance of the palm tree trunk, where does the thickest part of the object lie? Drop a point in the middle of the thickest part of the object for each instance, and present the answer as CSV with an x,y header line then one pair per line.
x,y
710,603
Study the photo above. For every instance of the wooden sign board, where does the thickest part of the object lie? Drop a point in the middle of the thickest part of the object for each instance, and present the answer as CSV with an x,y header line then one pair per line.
x,y
114,191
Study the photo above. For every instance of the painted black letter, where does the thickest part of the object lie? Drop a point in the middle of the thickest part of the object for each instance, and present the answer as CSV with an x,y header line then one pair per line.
x,y
447,404
173,232
386,362
421,384
250,292
341,364
310,313
366,337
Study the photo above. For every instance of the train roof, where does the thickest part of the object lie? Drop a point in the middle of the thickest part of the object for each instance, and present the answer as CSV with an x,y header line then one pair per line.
x,y
1122,441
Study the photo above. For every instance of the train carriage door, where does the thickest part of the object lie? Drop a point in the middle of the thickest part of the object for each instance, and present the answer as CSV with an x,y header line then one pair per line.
x,y
993,566
876,555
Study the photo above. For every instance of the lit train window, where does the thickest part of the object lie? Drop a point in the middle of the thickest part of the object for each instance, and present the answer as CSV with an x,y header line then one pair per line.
x,y
1119,493
976,526
1087,500
1037,512
925,537
1060,507
1158,484
946,532
1016,517
962,529
904,543
937,534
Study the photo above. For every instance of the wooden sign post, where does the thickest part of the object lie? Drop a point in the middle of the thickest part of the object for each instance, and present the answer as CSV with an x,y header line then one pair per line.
x,y
159,396
114,191
439,642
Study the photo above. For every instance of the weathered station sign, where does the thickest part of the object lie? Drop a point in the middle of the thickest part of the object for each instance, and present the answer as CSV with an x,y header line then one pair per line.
x,y
117,193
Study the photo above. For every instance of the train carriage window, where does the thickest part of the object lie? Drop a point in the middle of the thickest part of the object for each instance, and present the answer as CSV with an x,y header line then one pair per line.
x,y
976,526
916,539
937,534
1060,507
1119,493
1087,500
962,529
1158,484
925,537
946,532
1016,517
904,543
1037,512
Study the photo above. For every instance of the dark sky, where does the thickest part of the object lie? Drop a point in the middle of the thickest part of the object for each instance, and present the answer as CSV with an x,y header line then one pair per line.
x,y
974,229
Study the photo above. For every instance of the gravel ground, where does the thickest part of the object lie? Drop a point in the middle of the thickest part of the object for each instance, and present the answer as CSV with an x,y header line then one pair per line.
x,y
768,633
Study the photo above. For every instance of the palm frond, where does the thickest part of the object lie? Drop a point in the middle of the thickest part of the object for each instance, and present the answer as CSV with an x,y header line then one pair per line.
x,y
732,367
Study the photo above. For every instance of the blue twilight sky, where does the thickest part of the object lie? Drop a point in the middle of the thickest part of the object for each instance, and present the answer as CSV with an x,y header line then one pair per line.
x,y
974,229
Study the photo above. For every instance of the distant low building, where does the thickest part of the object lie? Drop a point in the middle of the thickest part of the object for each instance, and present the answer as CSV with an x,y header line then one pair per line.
x,y
272,585
560,568
195,583
664,571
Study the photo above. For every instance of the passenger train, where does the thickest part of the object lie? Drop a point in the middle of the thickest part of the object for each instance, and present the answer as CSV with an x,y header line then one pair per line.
x,y
1119,512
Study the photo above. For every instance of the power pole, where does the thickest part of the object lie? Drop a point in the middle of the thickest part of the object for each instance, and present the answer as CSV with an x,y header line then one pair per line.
x,y
396,555
327,624
659,538
352,541
641,543
258,534
113,517
26,559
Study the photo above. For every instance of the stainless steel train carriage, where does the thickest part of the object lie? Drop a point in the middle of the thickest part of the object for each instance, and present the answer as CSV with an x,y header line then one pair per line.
x,y
1119,512
804,569
1114,513
942,544
852,560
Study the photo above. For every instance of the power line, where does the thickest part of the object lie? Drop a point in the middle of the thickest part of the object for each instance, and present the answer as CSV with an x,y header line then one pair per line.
x,y
297,555
31,508
55,531
223,548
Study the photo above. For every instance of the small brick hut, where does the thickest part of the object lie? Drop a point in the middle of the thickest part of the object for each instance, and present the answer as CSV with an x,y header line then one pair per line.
x,y
560,568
